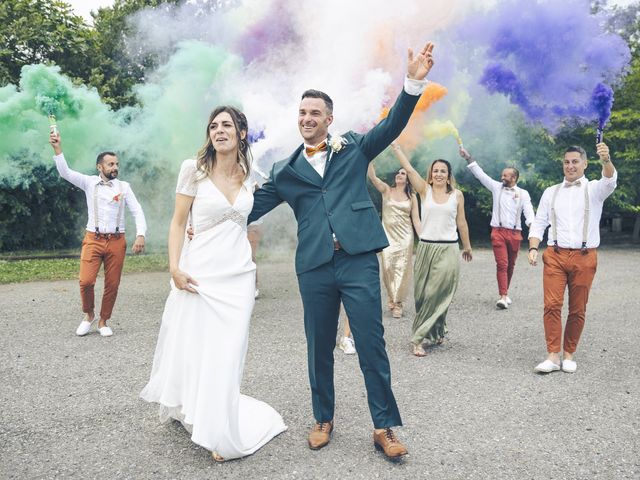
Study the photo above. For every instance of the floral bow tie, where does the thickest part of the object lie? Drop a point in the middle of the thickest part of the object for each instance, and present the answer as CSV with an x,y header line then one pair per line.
x,y
109,183
510,189
572,184
311,151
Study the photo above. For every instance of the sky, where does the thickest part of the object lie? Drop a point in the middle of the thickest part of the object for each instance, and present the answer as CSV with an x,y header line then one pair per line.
x,y
84,7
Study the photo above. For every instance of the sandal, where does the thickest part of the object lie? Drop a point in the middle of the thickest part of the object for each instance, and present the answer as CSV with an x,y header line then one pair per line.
x,y
440,341
418,350
217,457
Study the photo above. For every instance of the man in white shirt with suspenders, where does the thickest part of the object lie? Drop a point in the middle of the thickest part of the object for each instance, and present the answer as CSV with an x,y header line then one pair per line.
x,y
509,203
572,209
104,240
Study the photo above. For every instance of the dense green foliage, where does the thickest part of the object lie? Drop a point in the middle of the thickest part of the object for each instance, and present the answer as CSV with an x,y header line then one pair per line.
x,y
39,209
42,31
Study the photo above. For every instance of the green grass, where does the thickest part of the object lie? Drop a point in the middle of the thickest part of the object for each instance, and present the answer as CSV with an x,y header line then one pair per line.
x,y
67,268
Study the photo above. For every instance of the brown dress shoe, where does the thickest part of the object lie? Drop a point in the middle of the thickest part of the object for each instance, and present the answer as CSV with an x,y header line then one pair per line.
x,y
389,443
320,435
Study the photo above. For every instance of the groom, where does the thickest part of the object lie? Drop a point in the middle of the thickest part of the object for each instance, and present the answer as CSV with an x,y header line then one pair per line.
x,y
339,233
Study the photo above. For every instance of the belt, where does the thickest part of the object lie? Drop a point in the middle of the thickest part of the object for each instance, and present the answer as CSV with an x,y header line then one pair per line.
x,y
105,236
584,250
438,241
507,229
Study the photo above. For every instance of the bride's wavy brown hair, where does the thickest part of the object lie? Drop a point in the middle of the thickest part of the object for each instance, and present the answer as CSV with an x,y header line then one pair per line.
x,y
206,159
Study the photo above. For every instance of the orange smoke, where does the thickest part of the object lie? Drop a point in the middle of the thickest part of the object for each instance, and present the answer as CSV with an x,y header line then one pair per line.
x,y
412,134
432,93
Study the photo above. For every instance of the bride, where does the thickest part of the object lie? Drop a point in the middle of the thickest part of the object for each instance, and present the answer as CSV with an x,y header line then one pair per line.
x,y
202,344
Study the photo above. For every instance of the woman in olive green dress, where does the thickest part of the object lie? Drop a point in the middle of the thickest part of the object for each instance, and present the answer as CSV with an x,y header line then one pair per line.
x,y
437,266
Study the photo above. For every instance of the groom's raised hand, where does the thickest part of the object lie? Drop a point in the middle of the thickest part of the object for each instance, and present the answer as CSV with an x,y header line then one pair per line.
x,y
418,66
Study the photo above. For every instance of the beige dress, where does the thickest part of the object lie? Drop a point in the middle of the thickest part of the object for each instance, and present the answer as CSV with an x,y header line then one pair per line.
x,y
396,258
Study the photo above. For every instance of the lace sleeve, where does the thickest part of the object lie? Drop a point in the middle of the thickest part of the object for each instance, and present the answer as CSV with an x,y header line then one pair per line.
x,y
187,183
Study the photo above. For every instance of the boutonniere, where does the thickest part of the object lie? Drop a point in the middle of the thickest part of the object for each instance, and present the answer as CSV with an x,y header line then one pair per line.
x,y
117,197
337,143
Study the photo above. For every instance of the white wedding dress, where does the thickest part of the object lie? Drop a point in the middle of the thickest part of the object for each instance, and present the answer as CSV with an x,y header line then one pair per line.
x,y
199,358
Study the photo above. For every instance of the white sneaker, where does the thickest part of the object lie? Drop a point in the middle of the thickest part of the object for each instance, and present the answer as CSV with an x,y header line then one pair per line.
x,y
502,304
509,302
256,294
84,327
105,331
347,346
569,366
546,367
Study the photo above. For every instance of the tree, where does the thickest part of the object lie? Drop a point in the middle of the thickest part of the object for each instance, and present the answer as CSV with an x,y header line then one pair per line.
x,y
39,209
42,31
117,67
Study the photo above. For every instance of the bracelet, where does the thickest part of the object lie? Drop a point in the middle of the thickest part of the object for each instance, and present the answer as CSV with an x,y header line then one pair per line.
x,y
534,248
606,161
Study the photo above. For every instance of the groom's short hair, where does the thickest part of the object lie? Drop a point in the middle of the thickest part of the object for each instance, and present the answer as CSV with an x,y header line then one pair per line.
x,y
318,94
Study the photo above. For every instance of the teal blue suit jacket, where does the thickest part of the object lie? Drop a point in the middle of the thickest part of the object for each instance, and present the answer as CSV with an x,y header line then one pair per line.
x,y
338,202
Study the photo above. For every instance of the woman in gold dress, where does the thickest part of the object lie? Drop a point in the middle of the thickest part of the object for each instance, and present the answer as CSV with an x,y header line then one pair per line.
x,y
399,215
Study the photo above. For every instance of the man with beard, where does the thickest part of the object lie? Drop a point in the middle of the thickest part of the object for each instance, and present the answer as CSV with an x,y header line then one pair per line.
x,y
104,240
509,203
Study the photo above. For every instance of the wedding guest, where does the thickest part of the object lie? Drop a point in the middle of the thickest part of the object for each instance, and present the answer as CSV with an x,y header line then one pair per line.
x,y
572,209
436,267
509,203
346,343
104,241
399,215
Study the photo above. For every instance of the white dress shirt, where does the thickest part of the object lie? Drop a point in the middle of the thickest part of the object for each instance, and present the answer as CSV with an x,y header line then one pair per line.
x,y
109,199
570,212
319,160
508,204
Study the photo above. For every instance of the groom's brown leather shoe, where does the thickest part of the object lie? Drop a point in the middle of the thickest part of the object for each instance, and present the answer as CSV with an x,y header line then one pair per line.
x,y
387,441
320,435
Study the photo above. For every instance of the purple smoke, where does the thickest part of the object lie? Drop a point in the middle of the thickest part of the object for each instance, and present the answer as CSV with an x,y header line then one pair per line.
x,y
602,102
253,136
269,33
499,79
547,57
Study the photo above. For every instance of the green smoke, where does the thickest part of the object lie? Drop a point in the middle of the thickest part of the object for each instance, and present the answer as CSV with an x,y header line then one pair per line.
x,y
151,140
23,116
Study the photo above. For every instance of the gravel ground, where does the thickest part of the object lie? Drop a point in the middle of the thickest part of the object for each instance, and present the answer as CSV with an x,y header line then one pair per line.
x,y
472,408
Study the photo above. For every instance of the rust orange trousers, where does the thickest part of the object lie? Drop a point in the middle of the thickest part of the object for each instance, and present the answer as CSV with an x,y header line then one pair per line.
x,y
575,270
506,244
110,251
